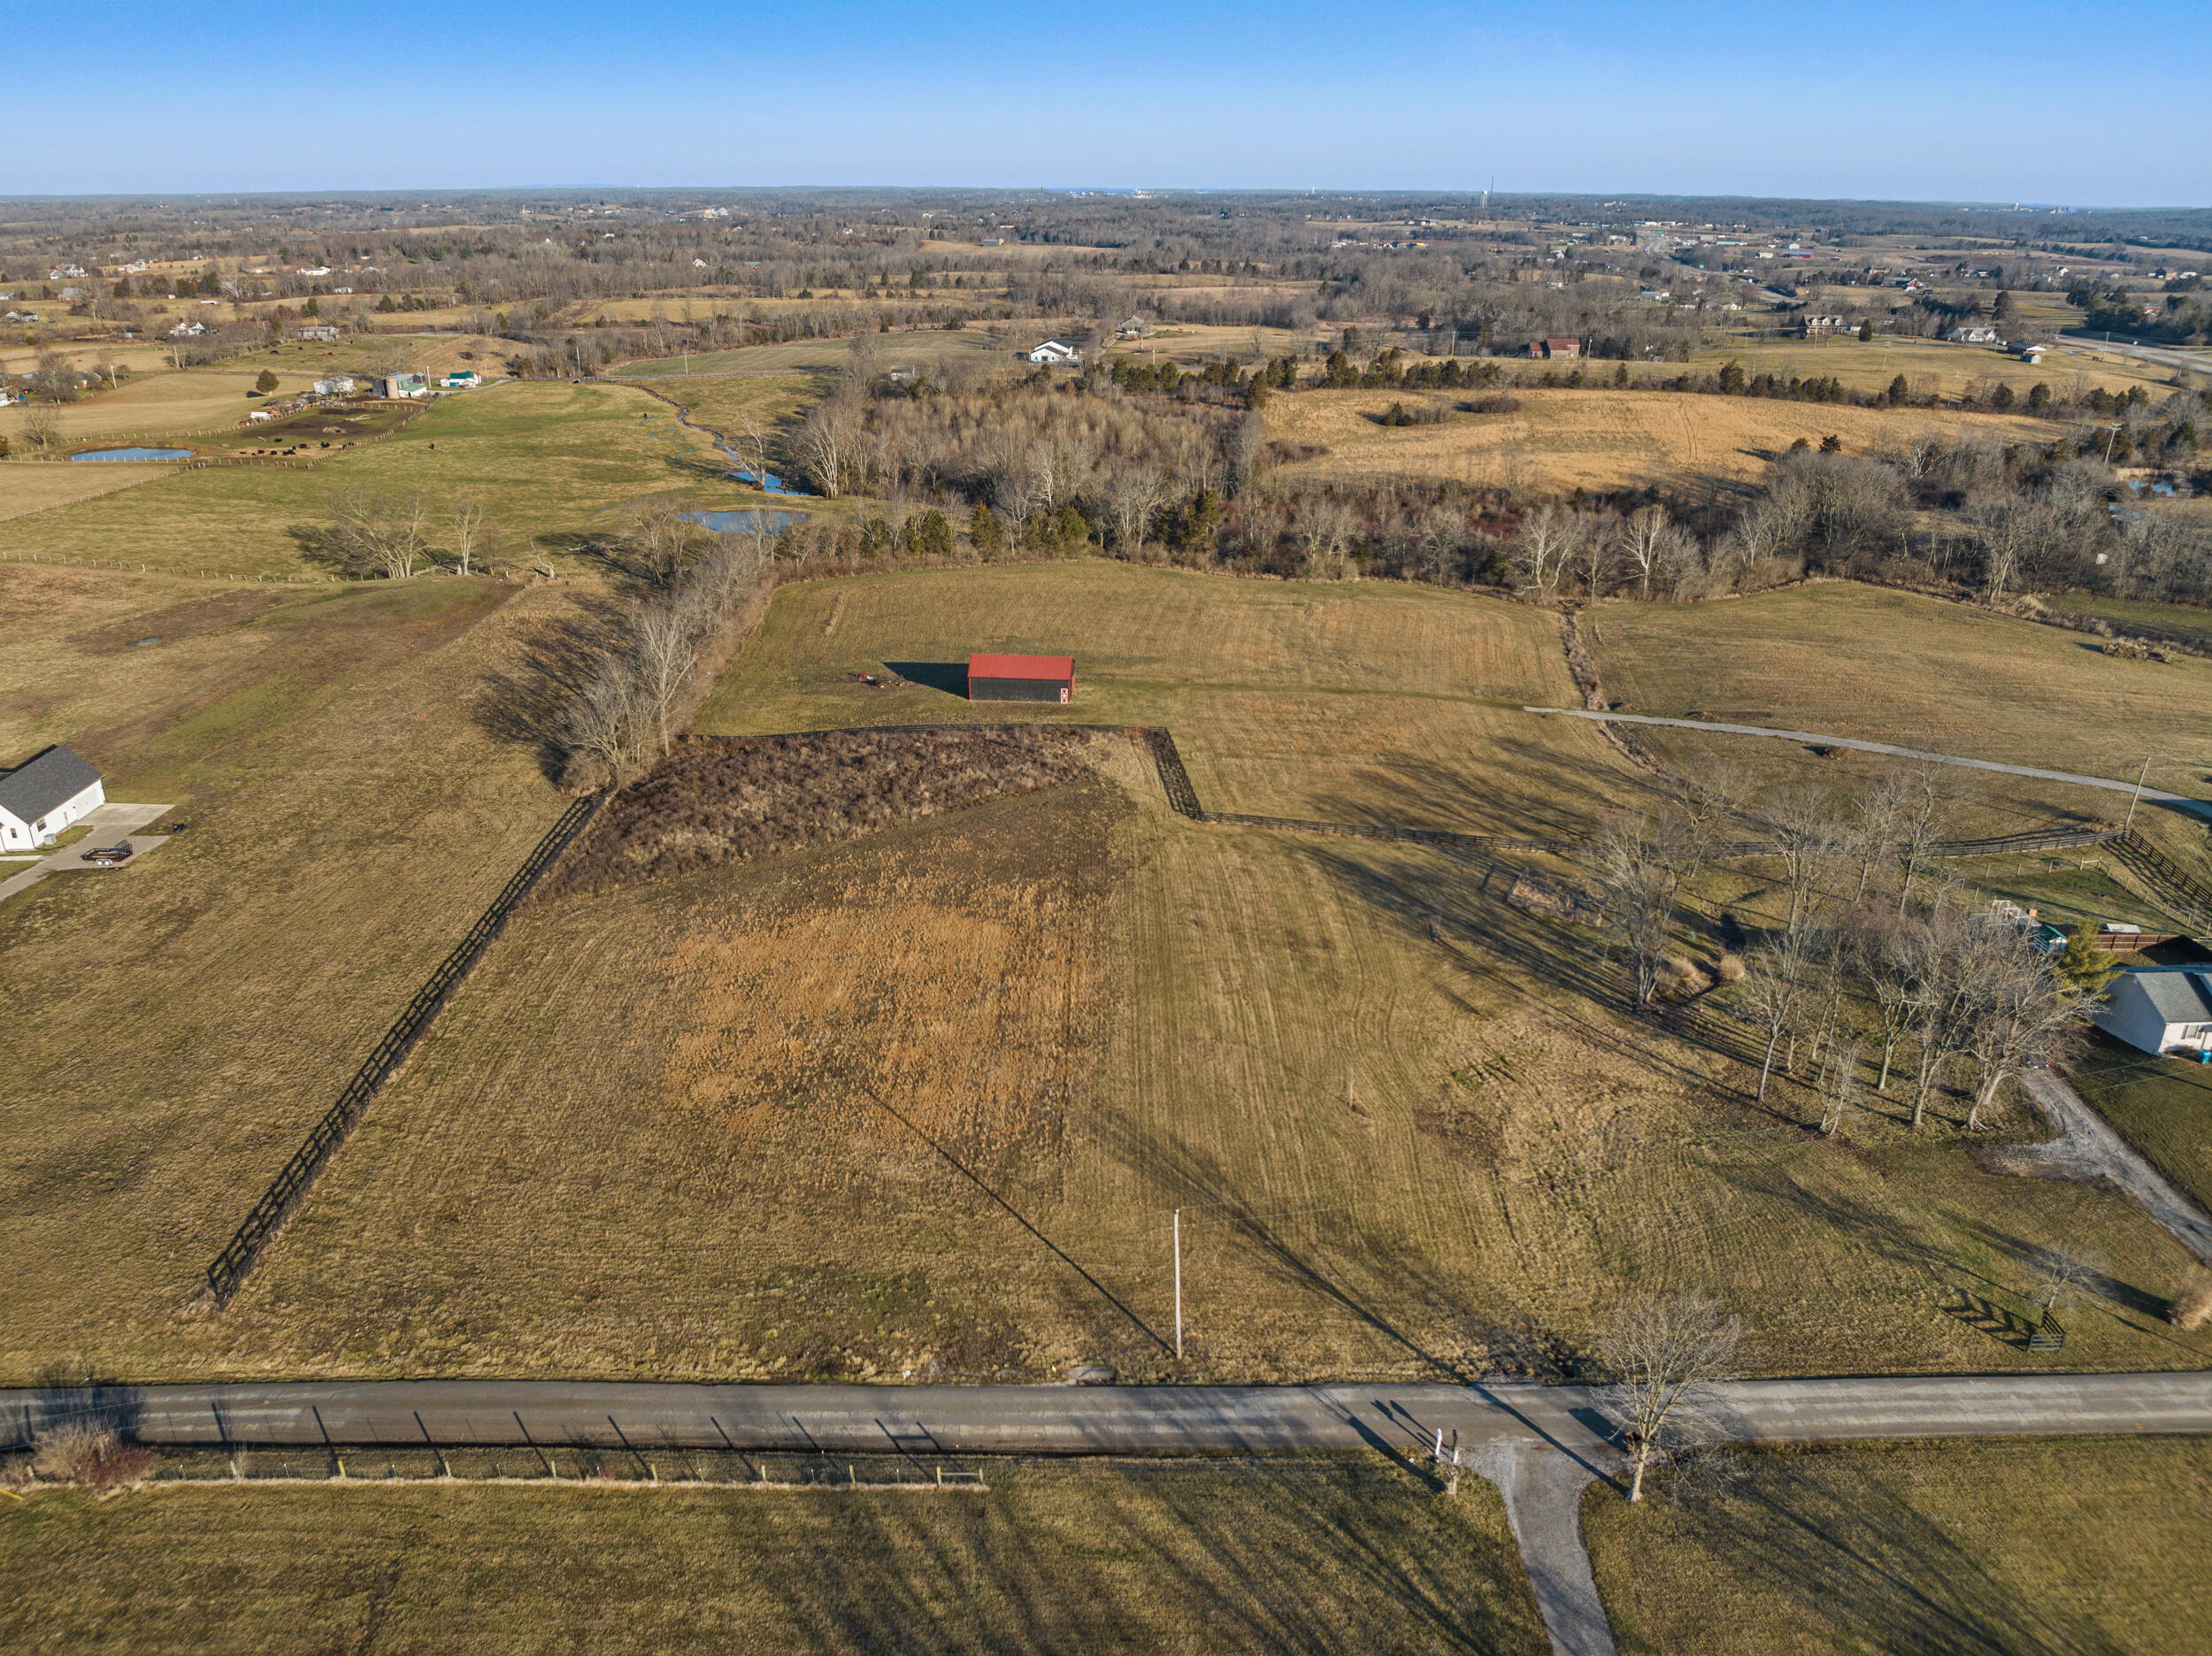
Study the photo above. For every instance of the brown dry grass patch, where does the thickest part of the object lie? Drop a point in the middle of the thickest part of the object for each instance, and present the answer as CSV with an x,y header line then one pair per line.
x,y
1598,440
718,800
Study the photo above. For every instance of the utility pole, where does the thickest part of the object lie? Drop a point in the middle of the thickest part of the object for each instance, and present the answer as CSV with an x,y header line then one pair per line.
x,y
1179,1284
2136,798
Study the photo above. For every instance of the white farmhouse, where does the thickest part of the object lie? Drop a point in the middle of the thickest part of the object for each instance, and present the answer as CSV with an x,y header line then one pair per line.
x,y
1053,351
43,795
2157,1008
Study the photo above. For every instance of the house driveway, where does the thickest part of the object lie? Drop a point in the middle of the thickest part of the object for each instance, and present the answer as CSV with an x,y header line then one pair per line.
x,y
106,821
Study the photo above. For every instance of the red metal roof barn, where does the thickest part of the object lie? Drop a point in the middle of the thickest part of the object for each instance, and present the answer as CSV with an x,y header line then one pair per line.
x,y
1021,677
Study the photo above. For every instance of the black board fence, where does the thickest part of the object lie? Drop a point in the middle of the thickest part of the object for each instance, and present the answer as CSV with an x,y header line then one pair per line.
x,y
231,1267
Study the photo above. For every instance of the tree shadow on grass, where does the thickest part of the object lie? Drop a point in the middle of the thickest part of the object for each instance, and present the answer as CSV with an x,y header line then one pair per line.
x,y
526,702
1306,1555
1871,1568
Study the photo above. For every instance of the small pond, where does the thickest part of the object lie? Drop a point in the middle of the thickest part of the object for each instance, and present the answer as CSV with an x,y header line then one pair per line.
x,y
743,522
135,453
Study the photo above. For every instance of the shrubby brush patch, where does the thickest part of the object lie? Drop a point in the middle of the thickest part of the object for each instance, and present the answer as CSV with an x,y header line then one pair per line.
x,y
723,800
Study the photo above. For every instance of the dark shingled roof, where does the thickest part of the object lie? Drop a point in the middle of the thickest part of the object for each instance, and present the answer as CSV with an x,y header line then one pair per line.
x,y
40,784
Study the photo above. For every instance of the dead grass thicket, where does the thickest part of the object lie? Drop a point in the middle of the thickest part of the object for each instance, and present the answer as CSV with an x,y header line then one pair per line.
x,y
723,800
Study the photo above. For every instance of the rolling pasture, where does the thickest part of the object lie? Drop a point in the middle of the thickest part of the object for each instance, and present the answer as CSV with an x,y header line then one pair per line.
x,y
546,457
1596,440
924,1103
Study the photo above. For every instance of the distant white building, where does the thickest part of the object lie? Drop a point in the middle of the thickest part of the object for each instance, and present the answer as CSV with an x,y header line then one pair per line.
x,y
1053,351
43,795
322,331
188,330
335,385
65,272
466,379
406,385
314,270
20,316
2157,1008
1976,333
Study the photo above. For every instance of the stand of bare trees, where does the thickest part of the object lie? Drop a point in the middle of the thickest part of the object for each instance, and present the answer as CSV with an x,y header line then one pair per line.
x,y
623,717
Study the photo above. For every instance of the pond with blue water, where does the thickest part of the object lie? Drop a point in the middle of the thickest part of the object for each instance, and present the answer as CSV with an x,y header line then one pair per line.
x,y
744,522
135,453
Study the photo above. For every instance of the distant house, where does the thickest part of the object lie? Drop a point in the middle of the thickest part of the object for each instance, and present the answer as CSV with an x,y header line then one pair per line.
x,y
337,384
1132,327
321,331
467,380
259,415
20,316
403,384
43,795
314,270
1053,351
65,272
1555,348
188,330
2157,1008
1814,326
1975,335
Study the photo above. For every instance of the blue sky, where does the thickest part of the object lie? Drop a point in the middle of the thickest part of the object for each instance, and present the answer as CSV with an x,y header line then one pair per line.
x,y
2105,105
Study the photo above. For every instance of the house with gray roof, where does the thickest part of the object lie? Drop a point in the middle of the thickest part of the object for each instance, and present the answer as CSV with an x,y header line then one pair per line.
x,y
43,795
2158,1008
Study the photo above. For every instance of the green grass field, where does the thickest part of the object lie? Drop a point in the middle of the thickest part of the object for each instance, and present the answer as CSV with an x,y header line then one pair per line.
x,y
548,458
2163,1106
2031,1549
1324,1553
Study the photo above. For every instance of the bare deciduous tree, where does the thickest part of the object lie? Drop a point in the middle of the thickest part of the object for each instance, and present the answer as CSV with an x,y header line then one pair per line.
x,y
1774,986
379,533
1840,1086
2019,1015
1540,551
1666,1356
466,519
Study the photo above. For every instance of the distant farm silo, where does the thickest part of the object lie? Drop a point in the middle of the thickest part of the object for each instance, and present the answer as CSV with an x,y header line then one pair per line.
x,y
1021,677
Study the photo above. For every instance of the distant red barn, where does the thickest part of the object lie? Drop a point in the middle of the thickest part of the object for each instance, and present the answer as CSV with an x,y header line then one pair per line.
x,y
1021,677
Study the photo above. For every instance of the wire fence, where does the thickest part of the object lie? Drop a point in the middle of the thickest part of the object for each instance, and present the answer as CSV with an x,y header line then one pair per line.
x,y
229,1269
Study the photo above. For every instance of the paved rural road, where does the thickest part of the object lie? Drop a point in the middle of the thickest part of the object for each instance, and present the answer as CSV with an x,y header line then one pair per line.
x,y
2200,806
1402,1419
1540,1445
2164,356
2089,1144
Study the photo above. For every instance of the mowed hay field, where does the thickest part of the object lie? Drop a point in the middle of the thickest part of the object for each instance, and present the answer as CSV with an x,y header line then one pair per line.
x,y
545,457
1845,660
1321,1552
1933,367
203,400
2050,1547
923,1104
825,356
1598,440
29,485
174,1027
1384,702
